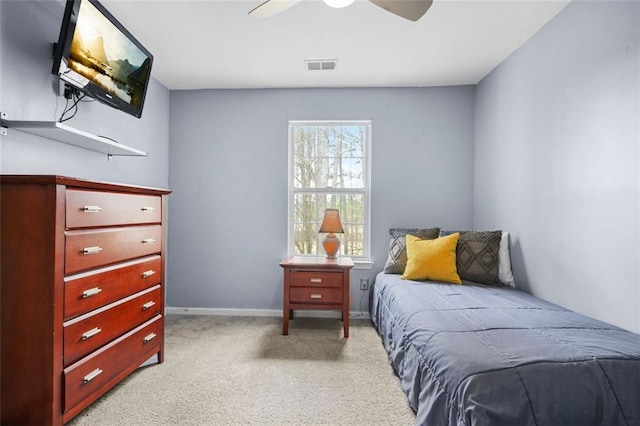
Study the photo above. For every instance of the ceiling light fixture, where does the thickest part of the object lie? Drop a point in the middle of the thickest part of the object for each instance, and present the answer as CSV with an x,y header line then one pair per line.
x,y
338,4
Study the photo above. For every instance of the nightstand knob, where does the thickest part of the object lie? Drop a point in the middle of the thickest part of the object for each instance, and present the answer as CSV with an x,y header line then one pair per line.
x,y
316,280
316,296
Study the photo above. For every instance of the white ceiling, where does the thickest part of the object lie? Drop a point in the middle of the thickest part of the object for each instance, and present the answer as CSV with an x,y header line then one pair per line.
x,y
214,43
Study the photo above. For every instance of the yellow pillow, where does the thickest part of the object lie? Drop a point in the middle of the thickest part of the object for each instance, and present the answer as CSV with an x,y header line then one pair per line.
x,y
432,259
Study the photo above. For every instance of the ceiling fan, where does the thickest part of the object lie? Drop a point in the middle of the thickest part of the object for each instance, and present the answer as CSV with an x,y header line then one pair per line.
x,y
408,9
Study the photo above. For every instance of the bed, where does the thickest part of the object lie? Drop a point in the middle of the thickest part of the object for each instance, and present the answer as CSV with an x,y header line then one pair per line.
x,y
475,354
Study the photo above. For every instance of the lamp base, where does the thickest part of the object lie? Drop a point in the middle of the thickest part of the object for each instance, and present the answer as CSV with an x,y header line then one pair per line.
x,y
331,245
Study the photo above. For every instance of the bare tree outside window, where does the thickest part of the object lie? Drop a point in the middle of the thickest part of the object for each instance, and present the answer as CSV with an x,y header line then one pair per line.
x,y
329,169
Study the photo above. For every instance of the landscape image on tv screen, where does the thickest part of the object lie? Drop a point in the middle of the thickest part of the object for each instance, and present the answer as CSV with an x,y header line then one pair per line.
x,y
101,53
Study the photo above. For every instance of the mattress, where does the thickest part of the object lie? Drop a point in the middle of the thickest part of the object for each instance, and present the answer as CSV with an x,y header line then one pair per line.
x,y
481,355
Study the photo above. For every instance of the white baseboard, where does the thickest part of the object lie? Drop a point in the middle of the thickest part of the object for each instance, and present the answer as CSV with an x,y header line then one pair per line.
x,y
170,310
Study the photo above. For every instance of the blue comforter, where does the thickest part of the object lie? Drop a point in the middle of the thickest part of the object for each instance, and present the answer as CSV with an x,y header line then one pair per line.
x,y
479,355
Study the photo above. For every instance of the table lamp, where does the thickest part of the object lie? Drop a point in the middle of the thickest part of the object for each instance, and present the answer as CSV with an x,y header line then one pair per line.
x,y
331,225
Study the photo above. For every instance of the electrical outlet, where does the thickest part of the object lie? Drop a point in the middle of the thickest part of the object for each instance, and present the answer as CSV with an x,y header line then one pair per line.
x,y
364,283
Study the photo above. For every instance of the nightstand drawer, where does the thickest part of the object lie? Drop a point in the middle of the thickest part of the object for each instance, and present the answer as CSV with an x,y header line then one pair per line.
x,y
318,295
316,279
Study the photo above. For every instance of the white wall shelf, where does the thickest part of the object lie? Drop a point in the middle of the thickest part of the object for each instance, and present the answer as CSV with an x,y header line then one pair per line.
x,y
63,133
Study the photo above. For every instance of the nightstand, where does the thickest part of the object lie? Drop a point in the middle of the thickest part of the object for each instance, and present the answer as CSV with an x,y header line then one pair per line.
x,y
316,283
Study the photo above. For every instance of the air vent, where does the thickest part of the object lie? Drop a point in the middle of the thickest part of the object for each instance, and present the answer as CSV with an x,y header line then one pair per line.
x,y
321,64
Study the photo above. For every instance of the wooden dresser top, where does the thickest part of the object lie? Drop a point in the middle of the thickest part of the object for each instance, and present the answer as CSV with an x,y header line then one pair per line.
x,y
78,183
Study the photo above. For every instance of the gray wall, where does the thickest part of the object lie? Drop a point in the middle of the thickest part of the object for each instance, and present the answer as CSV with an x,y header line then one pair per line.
x,y
28,92
228,171
557,134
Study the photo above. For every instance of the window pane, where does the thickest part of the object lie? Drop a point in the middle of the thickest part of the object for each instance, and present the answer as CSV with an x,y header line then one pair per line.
x,y
352,213
352,140
329,156
352,172
353,240
309,211
305,223
305,238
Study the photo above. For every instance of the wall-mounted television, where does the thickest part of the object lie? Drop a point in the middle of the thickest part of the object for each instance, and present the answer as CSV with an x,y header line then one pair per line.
x,y
97,55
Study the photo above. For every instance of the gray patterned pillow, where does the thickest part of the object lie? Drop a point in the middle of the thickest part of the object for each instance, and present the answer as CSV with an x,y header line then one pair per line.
x,y
477,256
397,259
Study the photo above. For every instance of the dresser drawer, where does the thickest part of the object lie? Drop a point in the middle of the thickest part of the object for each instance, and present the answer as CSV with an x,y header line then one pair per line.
x,y
87,333
91,376
98,208
88,249
316,279
99,287
318,295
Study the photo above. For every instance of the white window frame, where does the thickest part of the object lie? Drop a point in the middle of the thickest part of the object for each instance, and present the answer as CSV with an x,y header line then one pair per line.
x,y
364,261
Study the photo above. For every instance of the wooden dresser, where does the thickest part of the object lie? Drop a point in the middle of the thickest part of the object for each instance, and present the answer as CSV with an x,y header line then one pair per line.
x,y
82,294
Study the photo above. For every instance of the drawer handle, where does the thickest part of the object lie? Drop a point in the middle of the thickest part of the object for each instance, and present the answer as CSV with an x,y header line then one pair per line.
x,y
88,334
89,377
149,338
91,292
91,250
148,305
316,296
91,209
148,241
316,280
147,274
148,209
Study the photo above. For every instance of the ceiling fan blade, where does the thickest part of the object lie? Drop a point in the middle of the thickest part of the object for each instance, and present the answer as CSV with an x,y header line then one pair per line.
x,y
408,9
271,7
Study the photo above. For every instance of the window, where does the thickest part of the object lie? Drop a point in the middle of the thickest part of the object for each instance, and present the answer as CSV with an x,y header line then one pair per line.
x,y
329,167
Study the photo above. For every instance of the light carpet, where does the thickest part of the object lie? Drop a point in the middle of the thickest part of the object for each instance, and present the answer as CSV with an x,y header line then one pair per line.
x,y
241,370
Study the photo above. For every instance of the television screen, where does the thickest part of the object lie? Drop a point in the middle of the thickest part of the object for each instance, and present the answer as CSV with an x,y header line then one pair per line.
x,y
97,55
